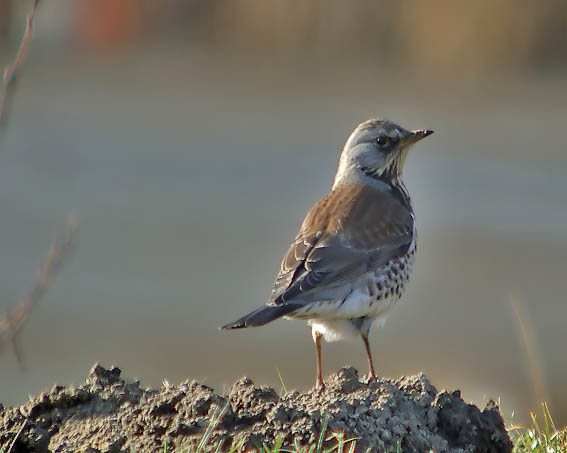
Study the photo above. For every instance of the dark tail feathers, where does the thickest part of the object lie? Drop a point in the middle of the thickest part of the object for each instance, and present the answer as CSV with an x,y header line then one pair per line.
x,y
261,316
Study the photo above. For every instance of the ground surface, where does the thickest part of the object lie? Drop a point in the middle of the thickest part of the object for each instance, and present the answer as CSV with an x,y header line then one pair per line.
x,y
110,414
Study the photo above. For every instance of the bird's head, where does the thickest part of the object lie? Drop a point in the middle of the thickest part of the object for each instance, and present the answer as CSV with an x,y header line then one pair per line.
x,y
376,149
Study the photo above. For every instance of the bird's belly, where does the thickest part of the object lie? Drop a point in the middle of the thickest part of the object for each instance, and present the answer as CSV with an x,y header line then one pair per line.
x,y
371,295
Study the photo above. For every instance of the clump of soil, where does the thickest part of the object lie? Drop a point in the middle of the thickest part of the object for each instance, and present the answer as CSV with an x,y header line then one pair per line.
x,y
110,414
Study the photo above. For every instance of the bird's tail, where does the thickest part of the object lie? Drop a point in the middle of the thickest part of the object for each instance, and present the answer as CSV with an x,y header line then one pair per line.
x,y
261,316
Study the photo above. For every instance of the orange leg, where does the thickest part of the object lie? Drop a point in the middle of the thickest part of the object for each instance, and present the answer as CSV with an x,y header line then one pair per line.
x,y
319,382
370,363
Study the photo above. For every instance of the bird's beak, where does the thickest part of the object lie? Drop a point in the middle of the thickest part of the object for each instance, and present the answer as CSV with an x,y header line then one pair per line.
x,y
416,136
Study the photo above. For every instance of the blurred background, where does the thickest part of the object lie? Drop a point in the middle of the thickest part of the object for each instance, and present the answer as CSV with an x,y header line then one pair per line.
x,y
191,137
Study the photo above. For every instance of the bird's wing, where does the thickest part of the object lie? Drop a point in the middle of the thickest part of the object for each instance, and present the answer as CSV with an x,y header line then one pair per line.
x,y
351,231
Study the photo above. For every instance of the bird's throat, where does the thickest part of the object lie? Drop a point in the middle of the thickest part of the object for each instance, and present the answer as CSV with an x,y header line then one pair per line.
x,y
392,180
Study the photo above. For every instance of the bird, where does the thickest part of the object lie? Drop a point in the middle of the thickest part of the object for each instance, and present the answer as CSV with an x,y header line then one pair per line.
x,y
352,257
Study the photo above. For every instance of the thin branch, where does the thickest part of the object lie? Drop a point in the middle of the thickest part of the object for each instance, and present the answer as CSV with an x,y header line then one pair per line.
x,y
533,357
11,324
11,71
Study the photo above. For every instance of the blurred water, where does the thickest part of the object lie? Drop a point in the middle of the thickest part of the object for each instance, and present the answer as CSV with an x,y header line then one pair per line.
x,y
190,176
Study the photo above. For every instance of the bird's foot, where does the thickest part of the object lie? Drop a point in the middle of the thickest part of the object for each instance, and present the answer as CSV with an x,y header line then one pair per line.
x,y
320,386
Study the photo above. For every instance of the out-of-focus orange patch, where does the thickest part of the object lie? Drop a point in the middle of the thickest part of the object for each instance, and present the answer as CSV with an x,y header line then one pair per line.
x,y
107,24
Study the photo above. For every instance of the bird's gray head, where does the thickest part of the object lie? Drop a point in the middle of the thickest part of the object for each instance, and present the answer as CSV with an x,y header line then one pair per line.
x,y
376,149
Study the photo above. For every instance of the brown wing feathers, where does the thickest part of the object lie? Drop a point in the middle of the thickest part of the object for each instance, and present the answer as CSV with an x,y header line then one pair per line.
x,y
351,230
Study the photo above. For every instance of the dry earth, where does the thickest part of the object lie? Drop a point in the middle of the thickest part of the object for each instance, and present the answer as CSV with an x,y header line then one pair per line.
x,y
110,414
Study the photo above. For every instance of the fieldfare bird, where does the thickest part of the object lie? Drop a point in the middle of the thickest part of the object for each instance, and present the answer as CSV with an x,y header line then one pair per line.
x,y
352,257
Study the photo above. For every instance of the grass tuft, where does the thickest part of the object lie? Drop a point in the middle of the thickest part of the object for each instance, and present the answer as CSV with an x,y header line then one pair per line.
x,y
541,437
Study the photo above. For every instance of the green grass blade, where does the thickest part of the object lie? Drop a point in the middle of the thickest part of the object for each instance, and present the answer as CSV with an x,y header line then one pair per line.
x,y
281,380
340,441
549,425
278,445
322,434
219,446
535,422
215,419
353,445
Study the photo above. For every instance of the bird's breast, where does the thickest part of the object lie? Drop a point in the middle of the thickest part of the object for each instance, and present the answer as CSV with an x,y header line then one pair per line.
x,y
390,280
371,295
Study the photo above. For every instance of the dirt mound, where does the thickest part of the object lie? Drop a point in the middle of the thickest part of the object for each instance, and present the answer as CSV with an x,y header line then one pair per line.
x,y
109,414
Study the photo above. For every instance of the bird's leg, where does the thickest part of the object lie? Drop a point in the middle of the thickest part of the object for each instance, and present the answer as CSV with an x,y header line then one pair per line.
x,y
317,339
370,363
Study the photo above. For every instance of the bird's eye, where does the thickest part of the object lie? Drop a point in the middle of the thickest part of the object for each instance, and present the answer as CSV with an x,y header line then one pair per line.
x,y
383,141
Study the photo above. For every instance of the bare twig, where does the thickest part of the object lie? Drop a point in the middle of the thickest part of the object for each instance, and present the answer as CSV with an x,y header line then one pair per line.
x,y
11,71
11,324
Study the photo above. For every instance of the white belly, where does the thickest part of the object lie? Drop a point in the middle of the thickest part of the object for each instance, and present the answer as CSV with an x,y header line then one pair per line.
x,y
372,296
347,328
